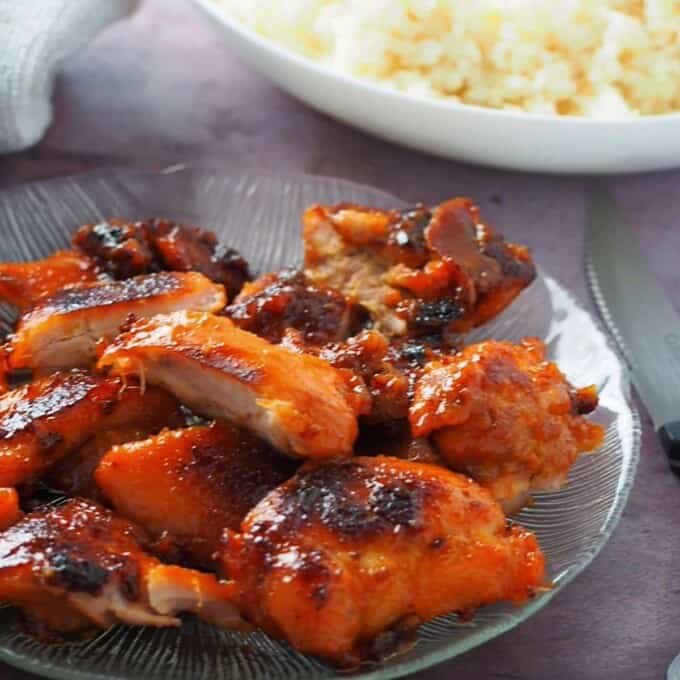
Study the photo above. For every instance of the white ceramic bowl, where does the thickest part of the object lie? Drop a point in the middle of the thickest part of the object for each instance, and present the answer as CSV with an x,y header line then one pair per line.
x,y
506,139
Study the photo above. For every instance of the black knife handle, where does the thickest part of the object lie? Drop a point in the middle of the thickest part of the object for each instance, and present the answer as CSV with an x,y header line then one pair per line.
x,y
669,434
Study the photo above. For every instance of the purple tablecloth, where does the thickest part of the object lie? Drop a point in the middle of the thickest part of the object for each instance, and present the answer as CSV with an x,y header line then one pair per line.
x,y
162,88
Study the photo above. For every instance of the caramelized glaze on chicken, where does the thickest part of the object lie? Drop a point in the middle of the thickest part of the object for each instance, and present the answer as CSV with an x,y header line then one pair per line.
x,y
78,566
190,484
388,369
417,271
48,419
299,403
507,417
63,331
23,284
126,249
280,301
74,474
344,552
10,512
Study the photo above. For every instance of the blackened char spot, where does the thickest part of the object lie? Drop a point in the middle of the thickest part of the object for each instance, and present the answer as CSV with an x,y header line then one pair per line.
x,y
437,314
398,505
76,574
348,499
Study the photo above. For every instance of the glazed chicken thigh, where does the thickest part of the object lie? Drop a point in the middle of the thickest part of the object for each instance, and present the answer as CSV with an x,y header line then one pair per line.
x,y
44,421
346,551
419,271
63,331
287,300
125,249
190,484
299,403
507,417
23,284
77,566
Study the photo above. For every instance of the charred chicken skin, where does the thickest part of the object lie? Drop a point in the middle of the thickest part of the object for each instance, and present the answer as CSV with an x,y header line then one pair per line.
x,y
46,420
190,484
77,566
346,551
288,300
507,417
298,403
419,271
63,331
24,284
126,249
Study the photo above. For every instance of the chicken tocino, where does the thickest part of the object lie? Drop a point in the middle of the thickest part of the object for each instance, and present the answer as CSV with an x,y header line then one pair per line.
x,y
285,300
507,417
344,553
63,331
124,249
190,484
24,284
77,566
48,419
299,403
74,474
419,271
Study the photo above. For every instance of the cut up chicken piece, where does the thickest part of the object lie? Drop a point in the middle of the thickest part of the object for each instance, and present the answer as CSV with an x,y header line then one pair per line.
x,y
347,553
77,566
419,271
48,419
10,512
74,474
125,249
507,417
389,369
23,284
190,484
299,403
280,301
63,331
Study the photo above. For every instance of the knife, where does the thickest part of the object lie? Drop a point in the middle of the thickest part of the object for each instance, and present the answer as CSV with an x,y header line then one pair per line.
x,y
641,318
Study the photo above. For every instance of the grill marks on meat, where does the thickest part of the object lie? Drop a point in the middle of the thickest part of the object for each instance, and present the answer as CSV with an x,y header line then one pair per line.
x,y
507,417
78,566
24,284
190,484
46,420
298,403
419,271
126,249
63,331
278,302
345,552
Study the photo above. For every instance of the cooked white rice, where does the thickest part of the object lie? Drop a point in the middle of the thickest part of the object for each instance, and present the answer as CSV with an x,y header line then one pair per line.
x,y
598,58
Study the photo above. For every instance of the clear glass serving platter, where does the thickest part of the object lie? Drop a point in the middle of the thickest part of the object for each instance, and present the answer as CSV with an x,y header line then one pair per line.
x,y
260,215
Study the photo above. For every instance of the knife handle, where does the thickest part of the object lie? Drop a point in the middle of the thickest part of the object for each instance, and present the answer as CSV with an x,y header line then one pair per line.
x,y
669,434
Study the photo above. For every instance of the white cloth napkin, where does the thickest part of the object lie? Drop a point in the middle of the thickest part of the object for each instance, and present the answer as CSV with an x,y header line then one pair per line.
x,y
35,38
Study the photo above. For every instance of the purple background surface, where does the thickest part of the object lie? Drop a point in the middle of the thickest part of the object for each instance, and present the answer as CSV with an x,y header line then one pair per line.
x,y
162,88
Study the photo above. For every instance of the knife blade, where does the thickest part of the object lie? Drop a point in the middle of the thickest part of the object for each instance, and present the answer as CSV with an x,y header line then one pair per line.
x,y
638,313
